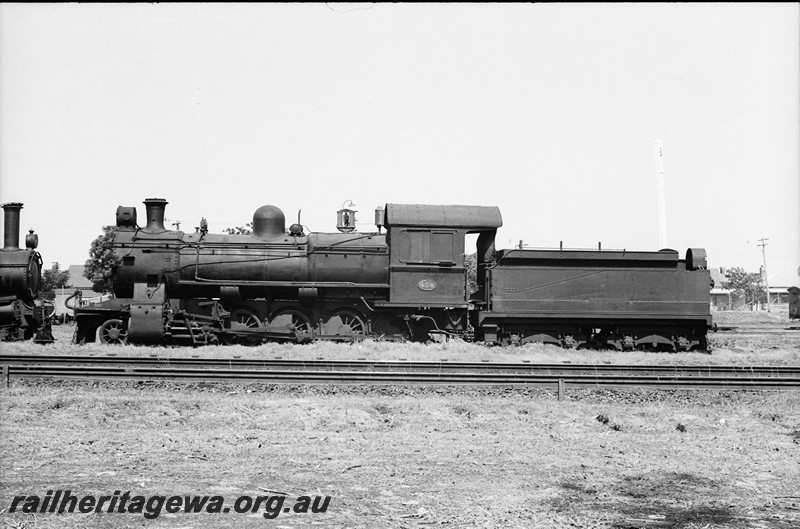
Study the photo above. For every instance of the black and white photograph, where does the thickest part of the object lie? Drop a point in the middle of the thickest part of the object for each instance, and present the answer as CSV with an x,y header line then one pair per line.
x,y
400,265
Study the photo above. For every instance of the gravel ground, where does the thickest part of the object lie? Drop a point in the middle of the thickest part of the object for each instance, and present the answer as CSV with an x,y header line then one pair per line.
x,y
413,456
408,456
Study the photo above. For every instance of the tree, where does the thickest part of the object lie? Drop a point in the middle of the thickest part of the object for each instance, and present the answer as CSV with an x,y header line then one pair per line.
x,y
102,260
247,229
55,278
743,282
471,264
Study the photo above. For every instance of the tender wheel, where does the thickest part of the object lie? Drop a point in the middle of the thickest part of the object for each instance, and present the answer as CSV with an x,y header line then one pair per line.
x,y
114,332
574,340
291,321
345,322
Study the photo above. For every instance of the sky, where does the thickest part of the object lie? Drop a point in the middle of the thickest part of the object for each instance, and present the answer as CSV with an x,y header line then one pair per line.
x,y
549,111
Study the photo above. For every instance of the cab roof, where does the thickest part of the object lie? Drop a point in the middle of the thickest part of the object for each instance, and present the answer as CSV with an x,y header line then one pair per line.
x,y
424,215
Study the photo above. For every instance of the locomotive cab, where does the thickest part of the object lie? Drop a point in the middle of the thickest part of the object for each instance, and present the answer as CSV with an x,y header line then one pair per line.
x,y
426,246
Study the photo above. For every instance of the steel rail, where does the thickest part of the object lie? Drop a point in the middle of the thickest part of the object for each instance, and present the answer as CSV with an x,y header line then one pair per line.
x,y
394,365
272,376
758,329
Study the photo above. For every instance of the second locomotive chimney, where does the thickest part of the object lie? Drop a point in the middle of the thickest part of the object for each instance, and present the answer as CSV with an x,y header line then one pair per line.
x,y
155,214
11,226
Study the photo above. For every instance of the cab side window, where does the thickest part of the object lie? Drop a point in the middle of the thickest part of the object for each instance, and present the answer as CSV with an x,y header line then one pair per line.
x,y
442,246
426,246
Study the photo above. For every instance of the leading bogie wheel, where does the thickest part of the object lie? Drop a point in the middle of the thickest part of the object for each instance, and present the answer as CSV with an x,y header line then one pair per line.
x,y
114,332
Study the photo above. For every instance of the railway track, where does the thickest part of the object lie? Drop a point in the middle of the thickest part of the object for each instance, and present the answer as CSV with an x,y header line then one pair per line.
x,y
759,329
397,365
278,371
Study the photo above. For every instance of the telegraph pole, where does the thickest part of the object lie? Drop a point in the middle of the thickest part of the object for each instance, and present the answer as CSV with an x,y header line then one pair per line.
x,y
660,201
766,276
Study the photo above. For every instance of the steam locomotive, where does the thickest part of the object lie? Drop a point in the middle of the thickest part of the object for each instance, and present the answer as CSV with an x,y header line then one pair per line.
x,y
409,283
22,314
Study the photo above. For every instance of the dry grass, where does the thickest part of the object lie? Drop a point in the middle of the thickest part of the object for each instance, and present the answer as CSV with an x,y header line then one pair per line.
x,y
778,316
410,457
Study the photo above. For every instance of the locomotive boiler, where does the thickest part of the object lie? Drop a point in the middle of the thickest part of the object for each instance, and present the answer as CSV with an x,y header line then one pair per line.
x,y
21,312
409,283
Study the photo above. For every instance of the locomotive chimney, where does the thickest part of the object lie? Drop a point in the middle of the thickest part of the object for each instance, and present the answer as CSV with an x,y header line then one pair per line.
x,y
155,215
11,226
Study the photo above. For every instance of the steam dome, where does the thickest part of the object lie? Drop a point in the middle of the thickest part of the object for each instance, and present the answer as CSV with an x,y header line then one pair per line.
x,y
268,222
